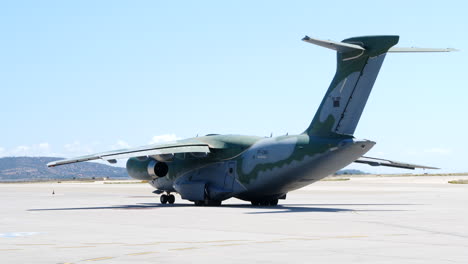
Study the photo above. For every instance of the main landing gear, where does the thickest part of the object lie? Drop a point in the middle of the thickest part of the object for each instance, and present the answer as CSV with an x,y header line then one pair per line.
x,y
273,202
167,198
207,202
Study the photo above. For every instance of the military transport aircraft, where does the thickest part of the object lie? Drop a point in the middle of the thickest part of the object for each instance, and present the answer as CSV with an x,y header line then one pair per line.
x,y
207,170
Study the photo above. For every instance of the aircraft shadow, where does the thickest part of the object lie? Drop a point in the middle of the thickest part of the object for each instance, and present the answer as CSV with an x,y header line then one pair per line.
x,y
301,208
287,208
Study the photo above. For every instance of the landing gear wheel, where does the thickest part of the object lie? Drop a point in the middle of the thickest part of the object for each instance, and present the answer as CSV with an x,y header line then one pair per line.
x,y
164,199
208,202
273,202
212,202
171,199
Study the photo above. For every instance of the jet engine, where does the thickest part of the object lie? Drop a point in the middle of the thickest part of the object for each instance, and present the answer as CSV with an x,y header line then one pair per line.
x,y
146,169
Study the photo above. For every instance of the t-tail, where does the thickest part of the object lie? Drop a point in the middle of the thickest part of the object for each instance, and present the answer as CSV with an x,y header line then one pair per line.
x,y
358,63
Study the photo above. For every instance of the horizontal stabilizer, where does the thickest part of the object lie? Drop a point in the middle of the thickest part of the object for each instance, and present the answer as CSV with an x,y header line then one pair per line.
x,y
413,49
347,47
390,163
338,46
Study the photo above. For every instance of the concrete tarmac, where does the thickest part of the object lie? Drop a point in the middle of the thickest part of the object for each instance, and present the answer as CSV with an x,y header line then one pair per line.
x,y
365,220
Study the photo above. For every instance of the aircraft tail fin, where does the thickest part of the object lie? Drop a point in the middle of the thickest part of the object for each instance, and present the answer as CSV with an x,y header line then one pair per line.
x,y
358,63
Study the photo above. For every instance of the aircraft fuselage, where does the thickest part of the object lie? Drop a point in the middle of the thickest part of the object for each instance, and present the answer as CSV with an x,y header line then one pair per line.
x,y
254,168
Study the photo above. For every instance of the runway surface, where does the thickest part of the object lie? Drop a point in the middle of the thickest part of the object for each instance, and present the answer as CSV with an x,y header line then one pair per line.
x,y
365,220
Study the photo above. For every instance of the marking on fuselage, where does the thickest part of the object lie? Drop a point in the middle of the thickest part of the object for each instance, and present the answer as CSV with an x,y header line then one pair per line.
x,y
357,56
329,109
342,86
271,150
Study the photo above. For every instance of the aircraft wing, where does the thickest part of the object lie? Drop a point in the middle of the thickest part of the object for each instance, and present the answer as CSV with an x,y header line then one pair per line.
x,y
183,146
390,163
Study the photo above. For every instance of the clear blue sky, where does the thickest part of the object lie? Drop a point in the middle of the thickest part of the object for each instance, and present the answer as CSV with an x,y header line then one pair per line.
x,y
88,76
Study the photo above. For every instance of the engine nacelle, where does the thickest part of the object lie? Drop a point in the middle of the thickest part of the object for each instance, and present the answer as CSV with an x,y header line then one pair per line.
x,y
164,157
157,168
148,169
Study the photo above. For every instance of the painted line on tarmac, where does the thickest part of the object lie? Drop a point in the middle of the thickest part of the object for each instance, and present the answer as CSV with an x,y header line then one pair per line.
x,y
228,245
146,244
186,242
111,243
200,242
320,238
142,253
267,242
98,259
35,244
301,238
187,248
77,247
349,237
218,241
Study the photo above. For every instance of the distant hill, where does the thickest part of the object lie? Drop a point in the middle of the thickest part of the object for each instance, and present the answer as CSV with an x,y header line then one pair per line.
x,y
350,172
35,168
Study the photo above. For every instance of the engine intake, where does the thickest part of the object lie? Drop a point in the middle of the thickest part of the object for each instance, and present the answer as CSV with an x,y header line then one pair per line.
x,y
147,169
157,168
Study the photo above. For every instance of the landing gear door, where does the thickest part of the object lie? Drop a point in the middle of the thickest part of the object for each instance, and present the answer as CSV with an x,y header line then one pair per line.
x,y
230,175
